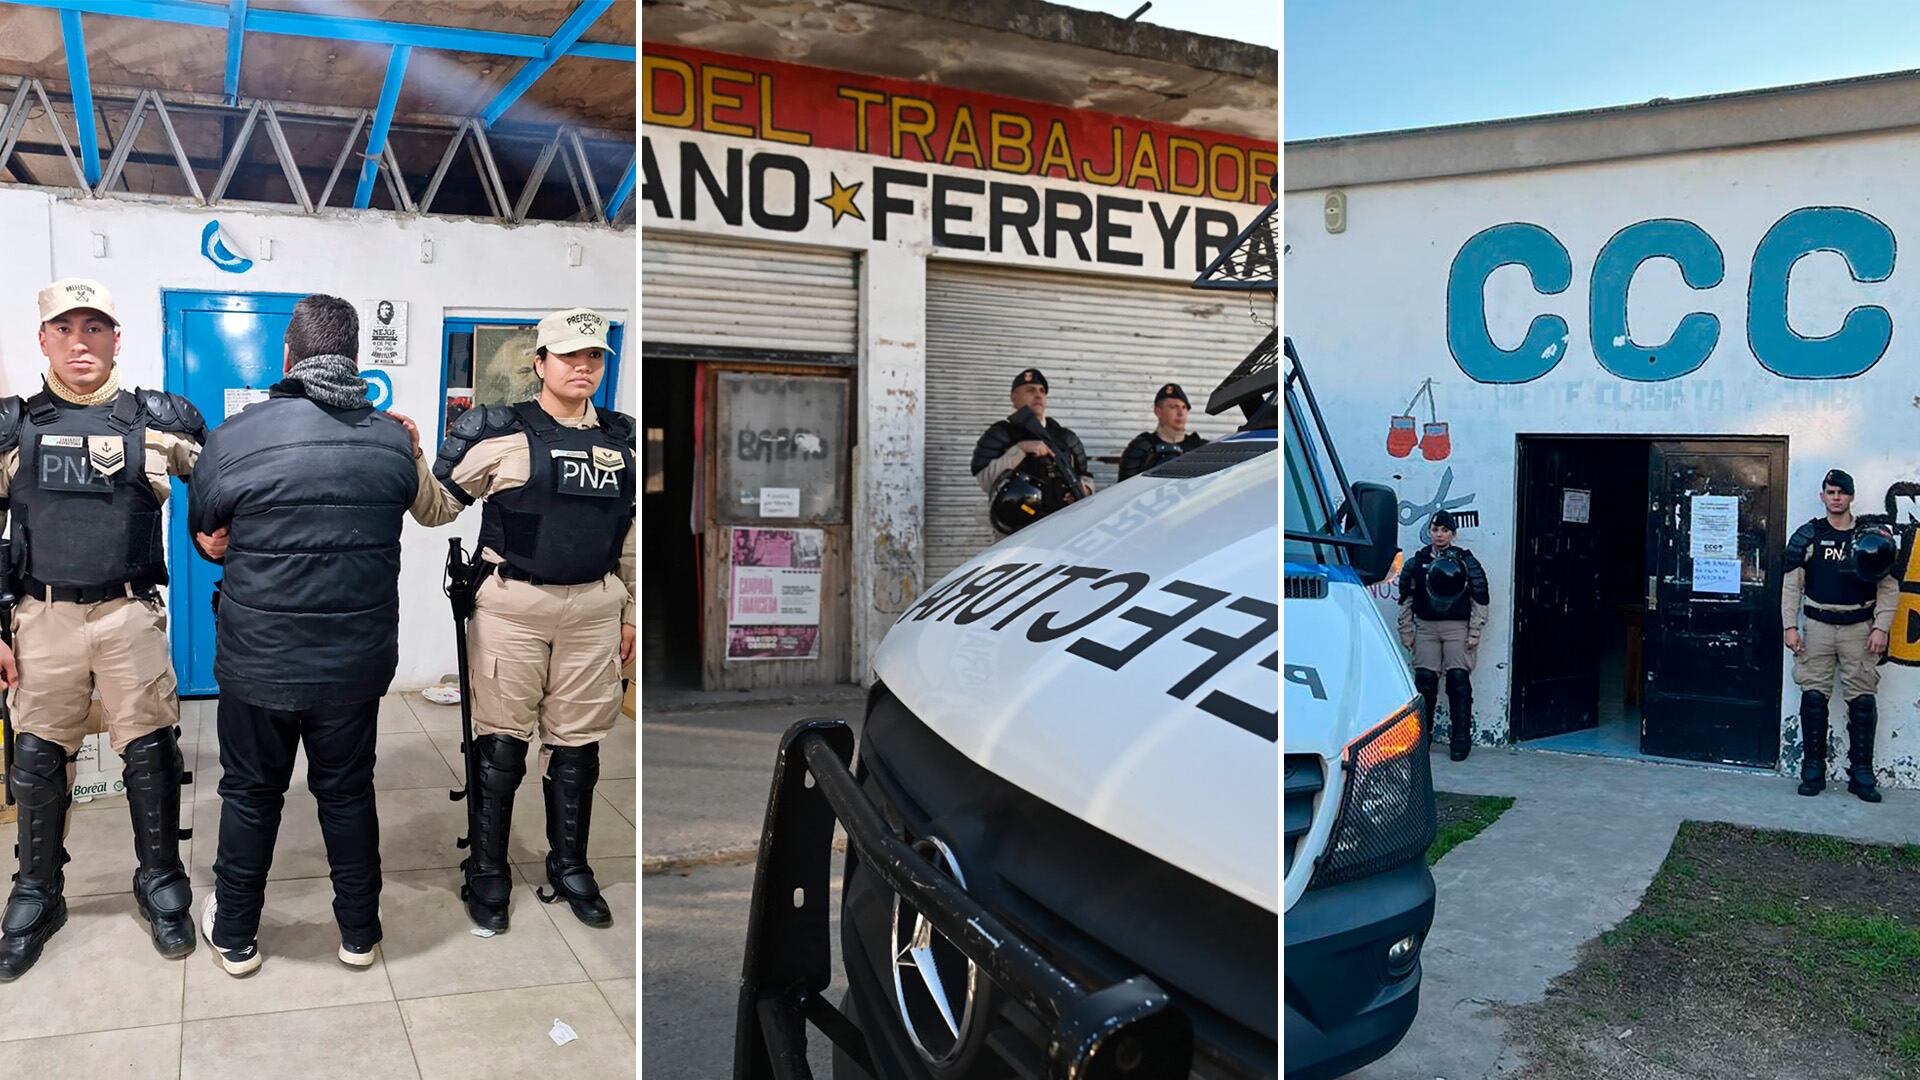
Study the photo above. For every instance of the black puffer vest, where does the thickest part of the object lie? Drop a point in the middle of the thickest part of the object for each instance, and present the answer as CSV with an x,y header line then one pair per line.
x,y
314,497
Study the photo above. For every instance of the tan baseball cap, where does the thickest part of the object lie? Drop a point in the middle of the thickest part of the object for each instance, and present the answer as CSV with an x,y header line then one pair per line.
x,y
69,294
572,330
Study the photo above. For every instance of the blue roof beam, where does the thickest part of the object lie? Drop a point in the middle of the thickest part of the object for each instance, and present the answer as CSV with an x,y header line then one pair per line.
x,y
75,40
236,39
622,191
382,120
557,46
217,15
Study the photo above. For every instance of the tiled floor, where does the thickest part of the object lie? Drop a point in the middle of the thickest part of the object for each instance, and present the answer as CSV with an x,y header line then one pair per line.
x,y
440,1002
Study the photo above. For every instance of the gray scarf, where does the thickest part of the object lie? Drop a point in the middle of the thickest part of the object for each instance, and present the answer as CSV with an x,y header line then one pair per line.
x,y
332,380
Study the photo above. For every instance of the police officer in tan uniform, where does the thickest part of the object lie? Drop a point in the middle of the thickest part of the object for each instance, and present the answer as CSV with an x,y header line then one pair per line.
x,y
84,468
1836,578
553,614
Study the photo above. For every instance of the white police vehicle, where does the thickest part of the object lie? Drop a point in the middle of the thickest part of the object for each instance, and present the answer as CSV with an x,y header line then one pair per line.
x,y
1062,846
1359,810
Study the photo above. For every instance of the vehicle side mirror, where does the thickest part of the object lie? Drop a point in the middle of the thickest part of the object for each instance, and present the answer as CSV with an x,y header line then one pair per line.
x,y
1379,507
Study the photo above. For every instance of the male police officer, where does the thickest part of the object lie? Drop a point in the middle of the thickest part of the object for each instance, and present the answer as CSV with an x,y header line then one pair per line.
x,y
1006,454
83,468
1443,607
1836,574
313,485
1169,438
553,614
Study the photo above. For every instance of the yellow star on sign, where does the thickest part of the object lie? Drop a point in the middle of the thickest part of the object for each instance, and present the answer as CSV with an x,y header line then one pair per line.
x,y
841,201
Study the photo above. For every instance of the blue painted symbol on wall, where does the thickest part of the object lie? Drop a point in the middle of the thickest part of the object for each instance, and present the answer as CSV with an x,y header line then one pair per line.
x,y
379,389
1864,242
218,253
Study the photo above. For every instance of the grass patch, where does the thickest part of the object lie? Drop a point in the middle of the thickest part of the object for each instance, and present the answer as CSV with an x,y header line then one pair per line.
x,y
1752,953
1463,817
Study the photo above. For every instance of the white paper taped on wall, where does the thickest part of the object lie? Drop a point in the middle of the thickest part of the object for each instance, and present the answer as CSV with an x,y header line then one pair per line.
x,y
1715,532
238,398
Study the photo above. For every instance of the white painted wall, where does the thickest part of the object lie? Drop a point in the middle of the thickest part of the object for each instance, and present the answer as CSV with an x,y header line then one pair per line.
x,y
889,473
478,268
1367,311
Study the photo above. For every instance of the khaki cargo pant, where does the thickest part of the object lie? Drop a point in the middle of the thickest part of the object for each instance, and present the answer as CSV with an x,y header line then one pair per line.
x,y
66,651
544,660
1441,646
1843,647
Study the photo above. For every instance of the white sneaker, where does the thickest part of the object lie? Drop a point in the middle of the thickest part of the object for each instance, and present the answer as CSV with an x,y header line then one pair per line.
x,y
353,957
236,962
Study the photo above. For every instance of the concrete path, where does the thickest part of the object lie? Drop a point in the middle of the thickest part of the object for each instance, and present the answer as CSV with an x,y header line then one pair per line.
x,y
1571,859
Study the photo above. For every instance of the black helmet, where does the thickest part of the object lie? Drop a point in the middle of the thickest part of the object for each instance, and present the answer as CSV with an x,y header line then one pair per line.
x,y
1874,552
1446,579
1018,504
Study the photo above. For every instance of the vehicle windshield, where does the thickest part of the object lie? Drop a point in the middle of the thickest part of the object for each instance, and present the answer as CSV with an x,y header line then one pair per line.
x,y
1307,507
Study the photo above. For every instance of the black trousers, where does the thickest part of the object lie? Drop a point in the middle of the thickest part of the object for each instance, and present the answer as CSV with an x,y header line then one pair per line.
x,y
256,751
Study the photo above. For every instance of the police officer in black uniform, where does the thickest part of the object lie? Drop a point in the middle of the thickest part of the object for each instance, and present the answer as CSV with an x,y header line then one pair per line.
x,y
1443,607
1029,459
1169,438
1837,576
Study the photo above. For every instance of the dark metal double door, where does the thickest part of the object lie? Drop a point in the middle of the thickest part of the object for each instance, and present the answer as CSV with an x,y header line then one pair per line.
x,y
1711,659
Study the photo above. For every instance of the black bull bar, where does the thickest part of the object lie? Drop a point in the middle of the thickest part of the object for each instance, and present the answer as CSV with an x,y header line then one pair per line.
x,y
1130,1029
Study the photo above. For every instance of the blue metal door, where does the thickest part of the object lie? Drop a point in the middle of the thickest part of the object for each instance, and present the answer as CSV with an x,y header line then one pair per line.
x,y
216,343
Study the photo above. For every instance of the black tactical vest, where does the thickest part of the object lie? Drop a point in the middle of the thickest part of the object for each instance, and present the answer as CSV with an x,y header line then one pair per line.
x,y
1826,553
83,513
566,524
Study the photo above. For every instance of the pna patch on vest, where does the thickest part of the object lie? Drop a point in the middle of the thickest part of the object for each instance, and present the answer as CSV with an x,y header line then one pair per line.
x,y
65,465
578,474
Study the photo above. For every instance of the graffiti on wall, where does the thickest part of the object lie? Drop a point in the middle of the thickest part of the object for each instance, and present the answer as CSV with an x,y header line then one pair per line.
x,y
1863,241
1434,441
1417,513
1903,515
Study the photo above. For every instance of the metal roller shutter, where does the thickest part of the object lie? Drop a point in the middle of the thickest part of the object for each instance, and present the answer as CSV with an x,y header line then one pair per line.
x,y
1104,344
696,291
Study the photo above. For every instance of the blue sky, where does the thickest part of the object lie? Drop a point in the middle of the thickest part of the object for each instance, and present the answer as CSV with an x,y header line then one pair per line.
x,y
1352,66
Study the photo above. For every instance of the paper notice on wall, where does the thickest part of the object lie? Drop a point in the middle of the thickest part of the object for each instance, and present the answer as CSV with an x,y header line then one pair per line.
x,y
1716,527
773,600
383,332
239,397
779,502
1576,506
1716,576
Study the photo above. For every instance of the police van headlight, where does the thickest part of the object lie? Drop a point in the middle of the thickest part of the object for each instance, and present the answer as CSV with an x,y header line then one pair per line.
x,y
1386,811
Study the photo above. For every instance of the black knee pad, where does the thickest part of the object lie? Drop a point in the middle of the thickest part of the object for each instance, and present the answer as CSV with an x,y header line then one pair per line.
x,y
1862,706
39,770
155,754
574,764
1459,681
1426,682
501,761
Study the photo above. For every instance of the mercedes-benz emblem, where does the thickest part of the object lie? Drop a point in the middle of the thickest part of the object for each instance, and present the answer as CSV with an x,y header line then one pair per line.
x,y
933,982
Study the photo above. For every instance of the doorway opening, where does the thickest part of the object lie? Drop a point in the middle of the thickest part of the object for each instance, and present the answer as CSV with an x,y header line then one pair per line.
x,y
670,628
1646,597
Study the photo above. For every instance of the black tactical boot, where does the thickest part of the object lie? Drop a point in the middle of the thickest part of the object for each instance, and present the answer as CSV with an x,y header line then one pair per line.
x,y
1428,685
501,761
1861,721
36,908
572,772
1813,742
152,775
1459,714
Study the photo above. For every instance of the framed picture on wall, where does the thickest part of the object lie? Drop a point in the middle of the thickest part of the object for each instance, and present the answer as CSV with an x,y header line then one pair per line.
x,y
503,365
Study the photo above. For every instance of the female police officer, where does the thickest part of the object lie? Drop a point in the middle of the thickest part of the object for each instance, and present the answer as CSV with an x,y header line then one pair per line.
x,y
553,614
1443,605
